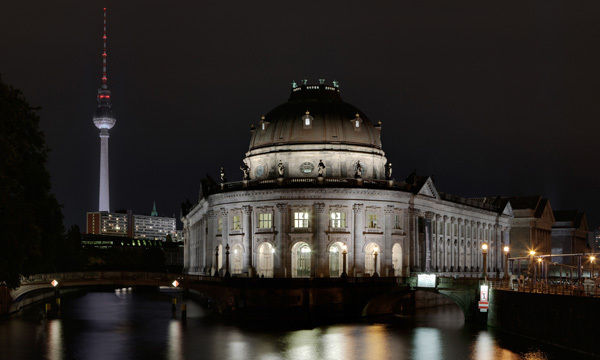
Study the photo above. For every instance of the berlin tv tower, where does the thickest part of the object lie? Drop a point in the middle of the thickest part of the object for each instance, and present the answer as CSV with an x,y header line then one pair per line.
x,y
104,120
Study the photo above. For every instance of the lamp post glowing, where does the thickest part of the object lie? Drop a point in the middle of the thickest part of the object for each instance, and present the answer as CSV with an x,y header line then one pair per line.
x,y
375,253
506,250
227,274
344,255
175,283
592,260
532,266
484,250
54,283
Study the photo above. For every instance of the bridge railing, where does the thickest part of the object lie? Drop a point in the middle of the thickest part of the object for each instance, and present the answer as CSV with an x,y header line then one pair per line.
x,y
588,287
95,275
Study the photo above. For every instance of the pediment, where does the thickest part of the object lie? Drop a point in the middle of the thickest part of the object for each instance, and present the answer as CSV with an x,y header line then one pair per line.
x,y
428,189
508,210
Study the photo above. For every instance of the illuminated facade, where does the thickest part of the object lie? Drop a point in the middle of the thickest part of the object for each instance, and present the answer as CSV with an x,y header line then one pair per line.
x,y
317,185
151,227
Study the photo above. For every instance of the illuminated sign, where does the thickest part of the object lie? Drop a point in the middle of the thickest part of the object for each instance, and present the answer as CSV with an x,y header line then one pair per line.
x,y
483,298
426,280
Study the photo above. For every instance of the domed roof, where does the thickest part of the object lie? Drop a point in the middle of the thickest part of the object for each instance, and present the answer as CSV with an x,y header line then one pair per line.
x,y
330,121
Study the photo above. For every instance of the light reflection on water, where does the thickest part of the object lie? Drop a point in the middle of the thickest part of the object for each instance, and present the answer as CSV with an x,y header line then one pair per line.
x,y
140,326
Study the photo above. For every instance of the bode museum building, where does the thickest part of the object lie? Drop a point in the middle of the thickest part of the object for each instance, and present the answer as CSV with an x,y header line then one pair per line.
x,y
318,197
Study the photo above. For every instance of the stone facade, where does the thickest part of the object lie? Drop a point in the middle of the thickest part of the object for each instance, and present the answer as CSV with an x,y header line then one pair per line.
x,y
287,220
412,232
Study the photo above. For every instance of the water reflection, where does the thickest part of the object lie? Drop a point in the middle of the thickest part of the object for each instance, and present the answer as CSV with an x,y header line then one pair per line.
x,y
133,326
54,346
427,344
175,341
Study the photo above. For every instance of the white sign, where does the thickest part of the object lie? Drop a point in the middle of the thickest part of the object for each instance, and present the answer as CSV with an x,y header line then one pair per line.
x,y
483,294
483,298
426,280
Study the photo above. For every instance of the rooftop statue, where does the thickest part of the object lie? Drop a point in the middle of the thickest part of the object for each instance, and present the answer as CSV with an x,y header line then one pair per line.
x,y
222,175
280,169
245,171
388,171
321,169
358,172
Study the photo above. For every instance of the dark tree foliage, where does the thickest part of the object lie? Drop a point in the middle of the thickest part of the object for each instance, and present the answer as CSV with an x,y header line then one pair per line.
x,y
31,228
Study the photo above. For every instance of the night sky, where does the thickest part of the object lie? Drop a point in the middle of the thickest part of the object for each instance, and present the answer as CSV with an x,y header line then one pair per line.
x,y
493,98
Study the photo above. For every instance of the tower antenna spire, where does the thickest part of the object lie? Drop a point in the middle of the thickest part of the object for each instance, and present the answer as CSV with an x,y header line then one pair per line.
x,y
104,55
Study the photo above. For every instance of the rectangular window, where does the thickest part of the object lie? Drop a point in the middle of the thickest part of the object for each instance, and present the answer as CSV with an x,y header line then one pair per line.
x,y
237,223
265,221
301,219
338,219
219,225
372,221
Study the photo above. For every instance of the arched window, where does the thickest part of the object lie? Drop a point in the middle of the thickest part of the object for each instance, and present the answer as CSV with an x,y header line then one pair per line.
x,y
301,260
335,259
237,259
397,259
265,260
370,250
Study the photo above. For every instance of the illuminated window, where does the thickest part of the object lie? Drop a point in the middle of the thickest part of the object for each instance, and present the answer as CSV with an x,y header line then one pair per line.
x,y
338,219
307,120
301,219
237,224
372,221
219,225
398,224
265,220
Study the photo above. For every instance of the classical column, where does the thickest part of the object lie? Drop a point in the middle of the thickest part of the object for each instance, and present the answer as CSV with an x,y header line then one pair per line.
x,y
186,248
248,246
210,242
357,260
461,245
387,268
444,259
428,217
282,258
436,244
318,249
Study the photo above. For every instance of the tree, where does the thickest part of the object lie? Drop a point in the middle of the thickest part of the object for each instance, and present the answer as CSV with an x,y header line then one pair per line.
x,y
30,216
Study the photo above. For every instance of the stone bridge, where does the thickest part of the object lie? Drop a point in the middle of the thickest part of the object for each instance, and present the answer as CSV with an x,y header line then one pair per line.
x,y
305,298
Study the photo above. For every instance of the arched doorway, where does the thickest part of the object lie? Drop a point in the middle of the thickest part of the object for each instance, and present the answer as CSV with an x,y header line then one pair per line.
x,y
301,260
237,259
335,259
370,251
265,260
397,259
220,258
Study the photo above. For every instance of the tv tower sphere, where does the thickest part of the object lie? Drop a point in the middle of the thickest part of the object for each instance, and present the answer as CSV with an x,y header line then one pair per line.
x,y
104,120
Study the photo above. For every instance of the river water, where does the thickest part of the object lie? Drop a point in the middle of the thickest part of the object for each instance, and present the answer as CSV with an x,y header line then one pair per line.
x,y
131,325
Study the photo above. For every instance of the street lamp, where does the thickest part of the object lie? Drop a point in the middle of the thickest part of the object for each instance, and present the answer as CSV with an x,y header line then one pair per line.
x,y
484,250
175,283
375,253
592,260
344,255
506,250
227,274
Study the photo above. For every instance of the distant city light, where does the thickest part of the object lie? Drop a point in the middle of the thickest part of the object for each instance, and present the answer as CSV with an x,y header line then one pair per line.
x,y
54,283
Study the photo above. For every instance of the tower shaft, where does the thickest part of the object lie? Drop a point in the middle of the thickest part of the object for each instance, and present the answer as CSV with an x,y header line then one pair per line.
x,y
104,197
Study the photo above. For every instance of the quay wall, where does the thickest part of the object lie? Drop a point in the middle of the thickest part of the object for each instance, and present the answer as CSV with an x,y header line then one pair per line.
x,y
565,321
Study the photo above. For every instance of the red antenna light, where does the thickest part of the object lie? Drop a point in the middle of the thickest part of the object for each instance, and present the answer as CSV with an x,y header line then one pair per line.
x,y
104,55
